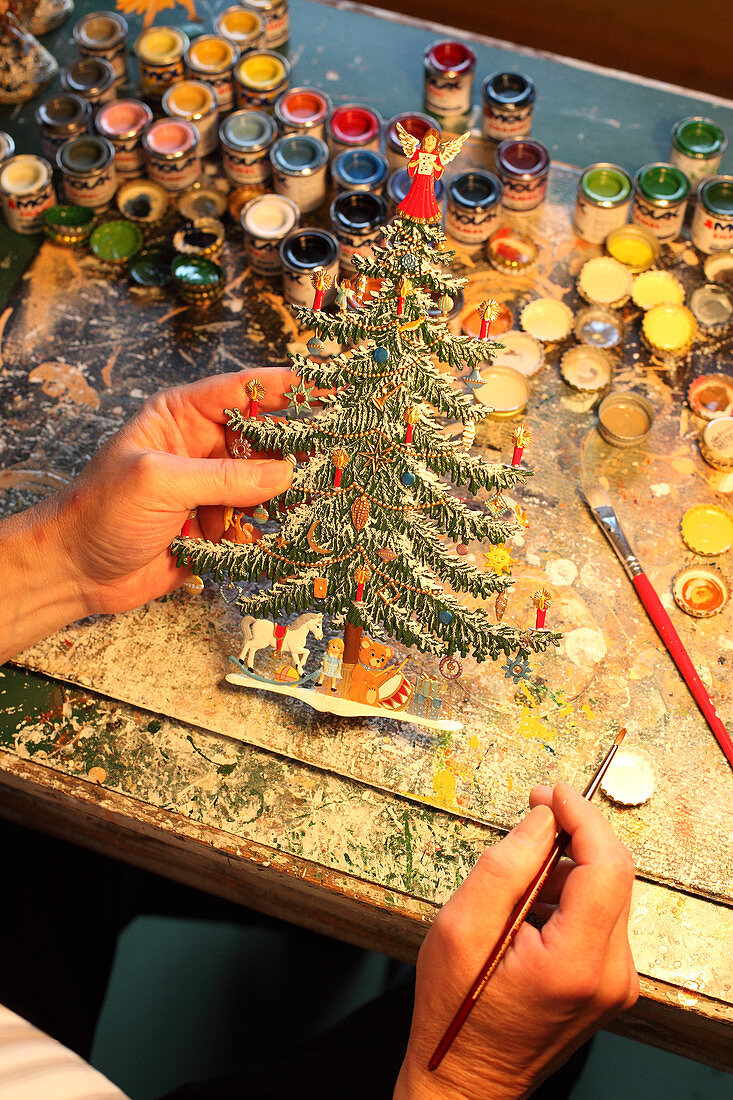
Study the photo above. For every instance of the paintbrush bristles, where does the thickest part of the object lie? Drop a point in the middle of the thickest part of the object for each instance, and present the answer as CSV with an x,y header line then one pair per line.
x,y
596,497
620,736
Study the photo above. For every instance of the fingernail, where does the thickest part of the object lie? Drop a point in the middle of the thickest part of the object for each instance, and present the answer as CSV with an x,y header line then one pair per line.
x,y
538,824
272,476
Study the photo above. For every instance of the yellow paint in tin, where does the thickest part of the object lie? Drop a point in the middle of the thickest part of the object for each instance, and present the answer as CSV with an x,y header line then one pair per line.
x,y
160,45
261,70
211,54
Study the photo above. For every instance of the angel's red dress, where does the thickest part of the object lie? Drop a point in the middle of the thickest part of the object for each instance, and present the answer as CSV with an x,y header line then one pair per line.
x,y
419,202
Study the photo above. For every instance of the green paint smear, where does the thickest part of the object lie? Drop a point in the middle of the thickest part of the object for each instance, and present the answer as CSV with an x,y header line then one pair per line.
x,y
118,240
67,217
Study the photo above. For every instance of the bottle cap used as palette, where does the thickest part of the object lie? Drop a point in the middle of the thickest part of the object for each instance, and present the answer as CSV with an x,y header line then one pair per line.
x,y
633,246
716,443
604,281
711,396
202,202
588,370
510,251
547,319
151,267
116,242
712,305
701,590
625,418
68,225
669,330
652,288
197,280
707,529
143,202
200,237
718,268
505,391
599,327
521,352
631,778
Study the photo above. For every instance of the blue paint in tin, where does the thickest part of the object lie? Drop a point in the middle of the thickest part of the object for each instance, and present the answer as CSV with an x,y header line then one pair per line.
x,y
299,153
359,170
247,130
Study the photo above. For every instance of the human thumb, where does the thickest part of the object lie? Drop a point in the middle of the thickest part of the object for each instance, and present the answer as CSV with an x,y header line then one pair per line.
x,y
240,484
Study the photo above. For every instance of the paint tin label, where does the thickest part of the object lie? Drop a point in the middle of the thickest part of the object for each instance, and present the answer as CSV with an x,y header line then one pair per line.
x,y
712,223
497,124
665,222
26,190
175,174
695,168
449,69
593,222
277,25
470,227
307,191
96,191
523,194
156,79
351,245
244,168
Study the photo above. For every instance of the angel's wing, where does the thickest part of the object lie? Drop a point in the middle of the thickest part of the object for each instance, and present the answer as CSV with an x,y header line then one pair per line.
x,y
450,149
409,143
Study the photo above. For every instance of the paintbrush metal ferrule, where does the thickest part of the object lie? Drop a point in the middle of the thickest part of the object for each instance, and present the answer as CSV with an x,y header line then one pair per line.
x,y
608,522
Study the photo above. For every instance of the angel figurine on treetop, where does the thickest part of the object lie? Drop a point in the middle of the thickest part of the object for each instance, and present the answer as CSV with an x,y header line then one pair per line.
x,y
426,163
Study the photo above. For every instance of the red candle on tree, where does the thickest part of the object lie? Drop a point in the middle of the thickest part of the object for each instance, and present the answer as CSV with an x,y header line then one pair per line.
x,y
411,417
521,439
542,600
361,575
255,391
404,288
187,524
339,458
488,311
321,281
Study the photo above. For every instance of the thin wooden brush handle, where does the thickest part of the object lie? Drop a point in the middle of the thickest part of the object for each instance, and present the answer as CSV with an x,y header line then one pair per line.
x,y
681,658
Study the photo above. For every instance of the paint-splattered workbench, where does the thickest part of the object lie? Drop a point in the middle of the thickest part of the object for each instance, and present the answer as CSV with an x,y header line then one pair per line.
x,y
135,746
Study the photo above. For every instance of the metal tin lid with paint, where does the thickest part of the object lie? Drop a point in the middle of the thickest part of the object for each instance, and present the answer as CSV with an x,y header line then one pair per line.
x,y
202,201
716,195
653,287
151,267
123,118
599,327
247,131
625,419
631,778
68,224
353,125
161,45
306,249
66,114
170,139
100,30
91,77
197,279
262,70
707,529
505,391
509,91
521,158
190,99
359,170
605,185
358,212
269,217
299,154
242,26
85,156
302,109
662,184
547,319
699,138
211,54
718,268
24,174
476,190
586,369
115,242
634,246
716,443
711,396
700,590
448,58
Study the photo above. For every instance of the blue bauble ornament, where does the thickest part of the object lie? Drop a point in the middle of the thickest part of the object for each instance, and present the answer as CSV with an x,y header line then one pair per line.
x,y
407,478
315,345
445,617
380,355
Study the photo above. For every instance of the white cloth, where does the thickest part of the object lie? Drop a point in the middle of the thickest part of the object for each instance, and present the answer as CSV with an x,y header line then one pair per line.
x,y
35,1067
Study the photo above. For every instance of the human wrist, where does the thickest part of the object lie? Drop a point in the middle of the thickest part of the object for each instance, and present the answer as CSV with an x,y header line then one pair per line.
x,y
42,593
452,1082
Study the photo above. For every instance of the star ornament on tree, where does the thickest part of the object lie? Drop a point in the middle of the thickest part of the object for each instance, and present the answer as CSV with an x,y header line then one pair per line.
x,y
300,397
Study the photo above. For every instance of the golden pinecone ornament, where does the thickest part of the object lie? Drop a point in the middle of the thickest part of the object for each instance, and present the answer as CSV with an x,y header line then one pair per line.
x,y
360,512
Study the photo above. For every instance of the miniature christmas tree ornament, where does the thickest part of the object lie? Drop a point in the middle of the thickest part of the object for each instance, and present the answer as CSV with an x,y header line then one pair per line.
x,y
542,600
521,438
256,392
321,281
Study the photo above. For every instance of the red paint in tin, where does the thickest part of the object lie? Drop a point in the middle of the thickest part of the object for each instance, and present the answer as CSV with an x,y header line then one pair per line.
x,y
354,125
522,156
451,57
416,125
299,107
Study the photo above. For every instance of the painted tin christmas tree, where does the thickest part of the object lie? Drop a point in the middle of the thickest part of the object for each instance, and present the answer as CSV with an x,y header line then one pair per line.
x,y
371,535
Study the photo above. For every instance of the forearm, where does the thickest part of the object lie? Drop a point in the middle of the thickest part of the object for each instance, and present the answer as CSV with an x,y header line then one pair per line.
x,y
40,596
416,1082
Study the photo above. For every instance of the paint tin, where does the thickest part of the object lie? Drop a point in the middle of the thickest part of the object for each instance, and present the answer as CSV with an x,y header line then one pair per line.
x,y
603,202
93,78
122,122
417,125
260,78
712,223
7,147
625,418
87,166
359,170
508,101
449,69
60,118
698,145
266,221
299,170
303,111
276,17
353,126
246,137
160,52
196,102
171,153
660,200
399,184
357,218
26,190
523,166
301,253
242,26
103,34
212,58
473,204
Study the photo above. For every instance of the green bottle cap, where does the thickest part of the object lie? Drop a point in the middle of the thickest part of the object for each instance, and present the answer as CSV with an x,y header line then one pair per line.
x,y
116,241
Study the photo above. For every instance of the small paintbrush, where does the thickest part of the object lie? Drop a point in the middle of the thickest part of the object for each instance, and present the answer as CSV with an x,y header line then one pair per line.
x,y
598,501
517,918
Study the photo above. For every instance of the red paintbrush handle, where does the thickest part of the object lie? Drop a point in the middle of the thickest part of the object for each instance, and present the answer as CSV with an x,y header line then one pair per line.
x,y
681,658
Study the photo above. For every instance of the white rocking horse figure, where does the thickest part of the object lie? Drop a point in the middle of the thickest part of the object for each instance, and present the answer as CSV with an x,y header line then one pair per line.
x,y
260,633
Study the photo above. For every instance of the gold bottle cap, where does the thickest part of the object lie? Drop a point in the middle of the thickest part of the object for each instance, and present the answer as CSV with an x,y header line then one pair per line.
x,y
716,443
711,396
599,327
604,281
633,246
547,319
510,251
653,287
707,529
588,370
631,778
701,590
669,330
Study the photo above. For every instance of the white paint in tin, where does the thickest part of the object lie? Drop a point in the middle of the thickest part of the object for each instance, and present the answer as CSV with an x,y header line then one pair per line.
x,y
26,190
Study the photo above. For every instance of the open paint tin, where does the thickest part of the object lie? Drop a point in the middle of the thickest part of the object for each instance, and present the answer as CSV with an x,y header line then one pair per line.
x,y
625,419
302,253
359,170
266,221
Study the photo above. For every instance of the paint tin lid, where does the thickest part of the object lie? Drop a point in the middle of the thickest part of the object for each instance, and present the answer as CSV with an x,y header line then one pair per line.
x,y
262,70
24,174
358,212
521,352
250,131
66,112
606,185
415,123
707,529
211,54
100,30
625,418
85,156
354,124
476,191
599,327
191,99
123,118
712,305
699,137
633,246
306,249
701,590
547,319
632,777
521,158
240,25
653,287
509,251
588,370
269,217
170,138
90,77
669,329
161,45
302,107
299,154
604,281
716,443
